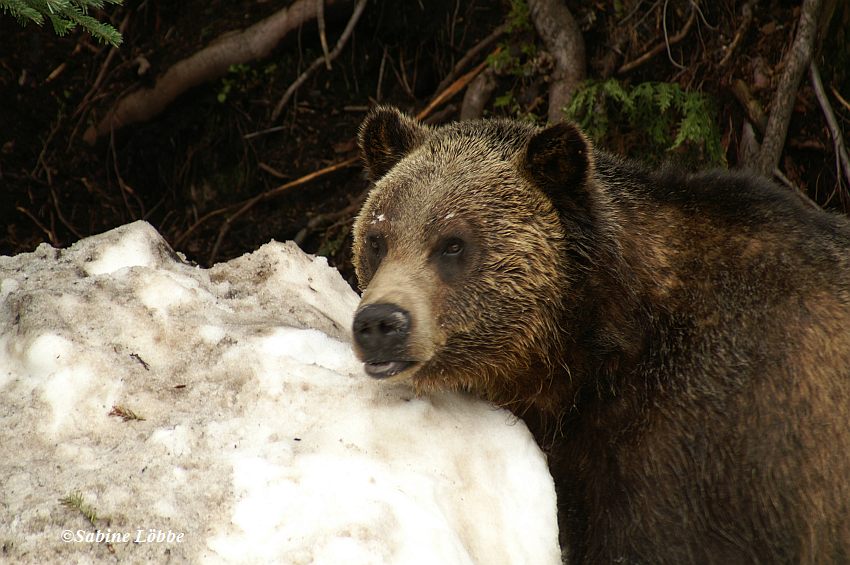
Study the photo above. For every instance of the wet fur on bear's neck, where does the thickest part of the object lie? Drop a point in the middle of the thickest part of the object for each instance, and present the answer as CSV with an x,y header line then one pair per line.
x,y
693,390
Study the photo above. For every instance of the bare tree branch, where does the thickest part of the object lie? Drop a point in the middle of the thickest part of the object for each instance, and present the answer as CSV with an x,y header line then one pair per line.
x,y
842,161
210,62
783,101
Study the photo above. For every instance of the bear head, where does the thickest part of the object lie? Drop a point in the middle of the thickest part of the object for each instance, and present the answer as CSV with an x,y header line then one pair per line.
x,y
467,250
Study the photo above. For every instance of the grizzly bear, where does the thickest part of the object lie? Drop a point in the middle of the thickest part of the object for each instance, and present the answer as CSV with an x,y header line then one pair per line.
x,y
678,342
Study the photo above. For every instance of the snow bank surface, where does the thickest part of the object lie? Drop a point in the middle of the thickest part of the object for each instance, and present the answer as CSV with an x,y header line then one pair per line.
x,y
256,436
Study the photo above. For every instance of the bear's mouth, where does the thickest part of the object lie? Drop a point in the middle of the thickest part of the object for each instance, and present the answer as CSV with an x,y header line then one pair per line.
x,y
385,369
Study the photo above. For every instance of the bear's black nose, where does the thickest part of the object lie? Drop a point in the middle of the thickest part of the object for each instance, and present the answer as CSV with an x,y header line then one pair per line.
x,y
381,332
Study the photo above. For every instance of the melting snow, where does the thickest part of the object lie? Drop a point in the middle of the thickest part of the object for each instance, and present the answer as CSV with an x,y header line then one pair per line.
x,y
261,438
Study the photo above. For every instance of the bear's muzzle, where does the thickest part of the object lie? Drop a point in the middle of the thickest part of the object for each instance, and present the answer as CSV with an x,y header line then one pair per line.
x,y
381,333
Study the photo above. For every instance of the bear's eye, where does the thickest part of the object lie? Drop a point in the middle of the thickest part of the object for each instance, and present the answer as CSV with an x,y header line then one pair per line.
x,y
453,247
453,256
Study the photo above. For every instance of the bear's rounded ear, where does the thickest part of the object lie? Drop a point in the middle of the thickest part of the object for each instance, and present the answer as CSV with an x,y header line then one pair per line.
x,y
558,158
385,137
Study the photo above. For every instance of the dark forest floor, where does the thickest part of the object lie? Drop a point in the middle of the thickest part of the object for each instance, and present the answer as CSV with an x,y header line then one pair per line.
x,y
194,159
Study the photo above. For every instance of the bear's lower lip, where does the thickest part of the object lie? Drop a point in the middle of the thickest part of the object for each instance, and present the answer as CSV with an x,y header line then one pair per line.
x,y
386,369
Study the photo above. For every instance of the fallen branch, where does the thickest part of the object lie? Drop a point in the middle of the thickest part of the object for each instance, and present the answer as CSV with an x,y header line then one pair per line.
x,y
632,65
210,62
783,100
842,162
563,40
324,59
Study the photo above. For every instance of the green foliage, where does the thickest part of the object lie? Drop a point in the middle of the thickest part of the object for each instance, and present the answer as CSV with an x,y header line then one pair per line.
x,y
332,242
76,502
519,17
512,107
656,116
65,15
242,78
518,62
516,57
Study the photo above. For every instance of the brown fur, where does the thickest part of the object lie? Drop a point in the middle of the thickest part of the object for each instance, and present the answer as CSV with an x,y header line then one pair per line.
x,y
679,344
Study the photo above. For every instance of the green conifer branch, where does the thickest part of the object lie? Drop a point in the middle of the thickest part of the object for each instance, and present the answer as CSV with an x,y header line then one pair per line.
x,y
64,15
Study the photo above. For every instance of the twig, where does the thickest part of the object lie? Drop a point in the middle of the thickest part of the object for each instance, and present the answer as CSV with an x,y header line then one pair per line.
x,y
747,19
56,72
381,75
320,20
254,134
401,76
841,99
343,39
124,413
783,100
271,170
695,6
61,216
123,186
666,39
470,56
842,163
200,221
795,189
631,65
785,180
454,88
50,235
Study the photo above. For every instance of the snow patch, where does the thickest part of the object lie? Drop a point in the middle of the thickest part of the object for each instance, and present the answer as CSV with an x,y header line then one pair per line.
x,y
126,248
256,434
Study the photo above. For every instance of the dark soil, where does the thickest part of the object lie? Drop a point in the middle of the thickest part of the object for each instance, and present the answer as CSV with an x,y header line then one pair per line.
x,y
194,159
